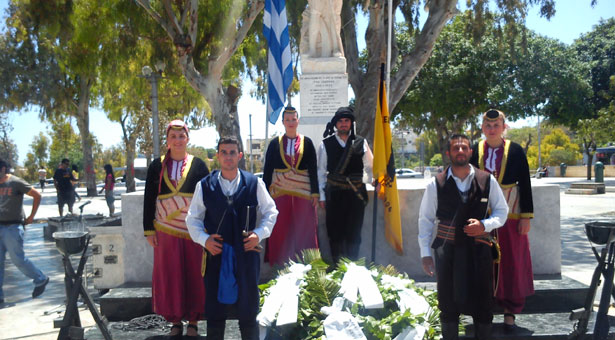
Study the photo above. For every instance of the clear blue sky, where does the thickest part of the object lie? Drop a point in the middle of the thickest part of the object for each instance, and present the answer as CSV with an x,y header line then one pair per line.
x,y
572,18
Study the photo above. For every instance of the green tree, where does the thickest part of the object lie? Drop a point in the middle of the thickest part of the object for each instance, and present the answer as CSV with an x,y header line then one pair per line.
x,y
64,144
559,142
37,157
58,48
597,50
206,36
545,78
40,148
456,83
138,41
466,76
436,160
8,149
413,44
593,132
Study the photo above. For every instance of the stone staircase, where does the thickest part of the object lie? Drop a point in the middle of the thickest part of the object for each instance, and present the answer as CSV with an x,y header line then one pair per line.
x,y
586,188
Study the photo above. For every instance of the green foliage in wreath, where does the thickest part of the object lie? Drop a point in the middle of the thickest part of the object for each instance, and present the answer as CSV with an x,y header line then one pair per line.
x,y
322,284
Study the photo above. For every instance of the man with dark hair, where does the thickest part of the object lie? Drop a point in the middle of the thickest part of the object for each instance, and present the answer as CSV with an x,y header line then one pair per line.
x,y
12,189
223,219
466,204
291,177
342,160
63,181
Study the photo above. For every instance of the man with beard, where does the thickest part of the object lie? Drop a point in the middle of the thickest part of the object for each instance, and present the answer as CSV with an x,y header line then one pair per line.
x,y
342,159
466,204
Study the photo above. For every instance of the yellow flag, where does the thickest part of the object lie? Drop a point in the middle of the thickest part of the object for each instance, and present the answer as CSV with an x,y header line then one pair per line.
x,y
384,172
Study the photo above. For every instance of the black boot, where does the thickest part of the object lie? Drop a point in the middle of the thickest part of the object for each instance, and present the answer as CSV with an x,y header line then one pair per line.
x,y
215,333
482,331
249,332
450,330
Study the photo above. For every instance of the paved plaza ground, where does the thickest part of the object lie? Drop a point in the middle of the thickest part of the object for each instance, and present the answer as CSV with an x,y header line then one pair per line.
x,y
22,317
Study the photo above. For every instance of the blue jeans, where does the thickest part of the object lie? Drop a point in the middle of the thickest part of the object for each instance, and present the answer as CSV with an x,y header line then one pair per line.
x,y
11,240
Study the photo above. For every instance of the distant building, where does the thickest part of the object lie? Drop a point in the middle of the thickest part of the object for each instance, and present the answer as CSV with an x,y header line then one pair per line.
x,y
406,141
255,149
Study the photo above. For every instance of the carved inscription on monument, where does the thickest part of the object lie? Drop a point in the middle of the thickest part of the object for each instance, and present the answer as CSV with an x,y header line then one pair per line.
x,y
323,94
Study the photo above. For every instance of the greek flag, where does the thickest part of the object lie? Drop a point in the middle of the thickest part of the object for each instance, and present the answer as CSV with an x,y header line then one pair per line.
x,y
275,29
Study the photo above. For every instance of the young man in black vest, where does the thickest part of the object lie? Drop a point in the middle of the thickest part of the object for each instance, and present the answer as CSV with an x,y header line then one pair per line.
x,y
458,200
342,160
223,219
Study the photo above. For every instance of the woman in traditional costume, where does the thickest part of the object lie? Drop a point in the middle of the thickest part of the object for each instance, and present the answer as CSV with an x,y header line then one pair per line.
x,y
507,162
178,292
290,174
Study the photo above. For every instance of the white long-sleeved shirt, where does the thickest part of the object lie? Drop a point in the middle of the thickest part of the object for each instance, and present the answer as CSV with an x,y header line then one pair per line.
x,y
429,205
368,160
196,212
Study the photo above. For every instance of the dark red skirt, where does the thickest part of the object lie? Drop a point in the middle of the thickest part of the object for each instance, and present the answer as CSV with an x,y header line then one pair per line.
x,y
515,276
178,290
295,229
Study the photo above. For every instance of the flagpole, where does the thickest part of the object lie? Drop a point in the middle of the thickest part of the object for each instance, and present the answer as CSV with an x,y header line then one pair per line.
x,y
389,38
374,214
267,120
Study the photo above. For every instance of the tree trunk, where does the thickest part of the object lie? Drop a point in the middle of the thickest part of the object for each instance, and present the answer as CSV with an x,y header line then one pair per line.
x,y
130,167
83,123
365,84
208,83
223,102
130,142
590,157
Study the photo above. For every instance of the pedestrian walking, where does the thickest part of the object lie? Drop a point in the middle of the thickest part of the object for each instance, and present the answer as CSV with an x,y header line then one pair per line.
x,y
13,225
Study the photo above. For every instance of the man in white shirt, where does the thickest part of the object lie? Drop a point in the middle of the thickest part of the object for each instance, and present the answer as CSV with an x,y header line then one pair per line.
x,y
223,219
342,160
458,201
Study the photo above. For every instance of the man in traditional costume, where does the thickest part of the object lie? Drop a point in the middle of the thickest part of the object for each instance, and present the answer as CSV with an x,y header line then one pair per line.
x,y
178,292
222,219
342,160
292,180
466,204
507,162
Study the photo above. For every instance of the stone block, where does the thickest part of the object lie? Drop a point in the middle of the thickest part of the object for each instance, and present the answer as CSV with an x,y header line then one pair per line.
x,y
123,304
138,254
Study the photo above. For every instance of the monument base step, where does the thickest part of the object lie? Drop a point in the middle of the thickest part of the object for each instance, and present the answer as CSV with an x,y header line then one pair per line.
x,y
609,189
544,326
560,295
551,295
582,192
599,188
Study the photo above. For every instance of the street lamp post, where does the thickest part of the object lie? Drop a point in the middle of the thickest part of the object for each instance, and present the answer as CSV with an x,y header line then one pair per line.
x,y
153,77
251,158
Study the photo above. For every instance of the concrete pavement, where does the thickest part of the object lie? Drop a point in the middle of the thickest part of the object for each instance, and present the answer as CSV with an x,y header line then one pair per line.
x,y
22,317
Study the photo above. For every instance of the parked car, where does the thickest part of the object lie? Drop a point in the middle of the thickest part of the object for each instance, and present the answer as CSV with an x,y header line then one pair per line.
x,y
407,173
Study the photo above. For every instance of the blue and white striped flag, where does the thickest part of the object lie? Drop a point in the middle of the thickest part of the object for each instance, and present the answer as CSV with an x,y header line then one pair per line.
x,y
280,68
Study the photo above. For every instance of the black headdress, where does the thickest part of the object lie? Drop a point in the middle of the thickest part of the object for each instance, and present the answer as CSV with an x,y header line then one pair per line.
x,y
342,112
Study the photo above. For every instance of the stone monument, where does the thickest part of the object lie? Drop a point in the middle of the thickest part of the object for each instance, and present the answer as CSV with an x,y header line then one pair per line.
x,y
324,82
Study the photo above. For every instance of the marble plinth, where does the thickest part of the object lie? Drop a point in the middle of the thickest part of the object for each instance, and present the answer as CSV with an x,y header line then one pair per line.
x,y
545,241
138,254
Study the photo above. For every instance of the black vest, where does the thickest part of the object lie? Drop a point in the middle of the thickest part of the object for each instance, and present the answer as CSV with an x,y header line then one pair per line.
x,y
335,151
453,212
